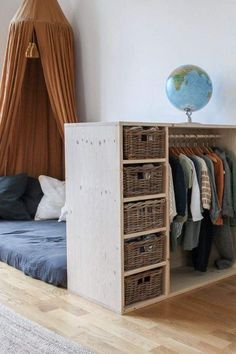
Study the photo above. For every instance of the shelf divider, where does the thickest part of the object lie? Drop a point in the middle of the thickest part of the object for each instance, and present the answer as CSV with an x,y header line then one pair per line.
x,y
143,269
143,233
131,162
144,197
141,304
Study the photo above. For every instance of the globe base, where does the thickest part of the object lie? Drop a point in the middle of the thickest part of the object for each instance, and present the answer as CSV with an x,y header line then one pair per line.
x,y
189,113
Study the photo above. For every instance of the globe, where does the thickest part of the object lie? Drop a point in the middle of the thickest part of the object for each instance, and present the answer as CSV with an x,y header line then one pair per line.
x,y
189,88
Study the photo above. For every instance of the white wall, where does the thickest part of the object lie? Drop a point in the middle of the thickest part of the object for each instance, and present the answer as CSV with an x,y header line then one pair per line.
x,y
7,10
127,48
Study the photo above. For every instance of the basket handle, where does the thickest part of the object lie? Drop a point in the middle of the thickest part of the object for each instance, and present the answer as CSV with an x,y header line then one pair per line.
x,y
144,175
145,249
147,137
144,280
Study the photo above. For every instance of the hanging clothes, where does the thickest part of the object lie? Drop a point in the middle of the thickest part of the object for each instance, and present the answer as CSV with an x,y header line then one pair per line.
x,y
191,234
209,204
223,240
222,234
227,204
180,190
232,165
215,206
201,253
193,224
192,182
172,203
180,187
219,180
197,166
205,185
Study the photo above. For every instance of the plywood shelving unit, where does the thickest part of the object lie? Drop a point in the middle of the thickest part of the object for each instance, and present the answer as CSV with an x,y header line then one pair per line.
x,y
186,279
94,174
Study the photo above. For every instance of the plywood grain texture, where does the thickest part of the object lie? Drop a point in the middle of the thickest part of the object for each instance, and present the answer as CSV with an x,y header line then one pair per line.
x,y
94,202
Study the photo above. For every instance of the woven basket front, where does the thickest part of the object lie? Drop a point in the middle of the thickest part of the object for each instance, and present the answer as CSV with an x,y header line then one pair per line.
x,y
143,286
142,216
144,251
143,180
144,143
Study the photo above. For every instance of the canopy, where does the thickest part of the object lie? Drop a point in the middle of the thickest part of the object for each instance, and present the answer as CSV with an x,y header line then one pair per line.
x,y
37,96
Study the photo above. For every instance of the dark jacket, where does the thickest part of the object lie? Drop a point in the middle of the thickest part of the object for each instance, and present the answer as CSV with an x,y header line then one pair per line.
x,y
180,187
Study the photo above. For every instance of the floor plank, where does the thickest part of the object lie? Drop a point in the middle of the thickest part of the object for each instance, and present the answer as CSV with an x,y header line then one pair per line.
x,y
203,321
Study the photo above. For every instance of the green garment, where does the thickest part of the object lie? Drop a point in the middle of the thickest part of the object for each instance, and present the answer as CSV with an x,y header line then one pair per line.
x,y
187,168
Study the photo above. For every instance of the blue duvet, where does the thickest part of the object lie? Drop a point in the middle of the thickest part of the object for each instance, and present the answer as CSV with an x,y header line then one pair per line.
x,y
38,248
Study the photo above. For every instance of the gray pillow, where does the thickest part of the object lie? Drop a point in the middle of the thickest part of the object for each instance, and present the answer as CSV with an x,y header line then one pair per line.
x,y
32,196
12,189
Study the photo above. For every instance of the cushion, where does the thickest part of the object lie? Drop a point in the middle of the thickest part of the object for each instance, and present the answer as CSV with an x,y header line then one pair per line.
x,y
53,199
32,195
64,213
12,189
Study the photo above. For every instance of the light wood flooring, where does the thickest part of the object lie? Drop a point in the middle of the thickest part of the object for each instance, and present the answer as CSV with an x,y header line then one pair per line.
x,y
203,321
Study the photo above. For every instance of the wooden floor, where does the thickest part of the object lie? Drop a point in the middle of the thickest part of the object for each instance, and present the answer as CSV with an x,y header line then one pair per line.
x,y
203,321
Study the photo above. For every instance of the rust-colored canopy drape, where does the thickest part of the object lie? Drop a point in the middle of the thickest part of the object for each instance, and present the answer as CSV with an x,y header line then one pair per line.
x,y
37,96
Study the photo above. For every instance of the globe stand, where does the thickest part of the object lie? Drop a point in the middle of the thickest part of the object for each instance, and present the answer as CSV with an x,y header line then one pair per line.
x,y
189,114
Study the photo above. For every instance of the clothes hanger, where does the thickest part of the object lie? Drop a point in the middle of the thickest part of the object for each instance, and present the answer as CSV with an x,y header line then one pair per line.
x,y
176,149
184,149
173,152
187,149
210,153
205,148
197,149
209,148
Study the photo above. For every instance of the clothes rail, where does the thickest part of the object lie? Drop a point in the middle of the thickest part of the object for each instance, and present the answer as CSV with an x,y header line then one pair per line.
x,y
195,136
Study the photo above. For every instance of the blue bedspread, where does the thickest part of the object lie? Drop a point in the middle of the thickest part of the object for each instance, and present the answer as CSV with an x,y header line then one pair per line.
x,y
38,248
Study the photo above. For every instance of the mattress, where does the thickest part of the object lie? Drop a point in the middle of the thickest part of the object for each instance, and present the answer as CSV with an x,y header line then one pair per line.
x,y
38,248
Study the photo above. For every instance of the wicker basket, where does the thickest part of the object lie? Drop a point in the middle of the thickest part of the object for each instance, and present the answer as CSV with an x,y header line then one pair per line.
x,y
143,180
144,143
143,286
144,251
146,215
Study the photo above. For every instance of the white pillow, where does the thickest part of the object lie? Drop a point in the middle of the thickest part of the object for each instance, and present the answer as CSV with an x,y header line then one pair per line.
x,y
53,200
64,213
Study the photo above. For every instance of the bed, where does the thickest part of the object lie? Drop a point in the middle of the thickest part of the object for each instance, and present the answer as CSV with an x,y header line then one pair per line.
x,y
38,248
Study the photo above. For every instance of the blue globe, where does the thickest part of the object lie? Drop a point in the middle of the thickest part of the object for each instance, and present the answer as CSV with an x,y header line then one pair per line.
x,y
189,88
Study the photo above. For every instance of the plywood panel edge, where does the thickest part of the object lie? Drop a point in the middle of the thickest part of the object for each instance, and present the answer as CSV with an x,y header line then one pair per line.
x,y
94,262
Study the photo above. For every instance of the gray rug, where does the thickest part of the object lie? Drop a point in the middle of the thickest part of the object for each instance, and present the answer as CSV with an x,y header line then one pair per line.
x,y
21,336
